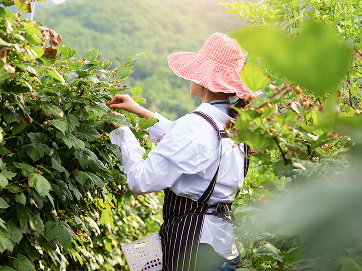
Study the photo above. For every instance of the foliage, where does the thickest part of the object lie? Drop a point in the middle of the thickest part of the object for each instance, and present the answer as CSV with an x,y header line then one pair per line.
x,y
63,196
301,191
120,28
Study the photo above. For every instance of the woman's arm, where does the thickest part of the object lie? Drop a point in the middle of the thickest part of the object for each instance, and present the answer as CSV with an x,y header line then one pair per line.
x,y
125,102
174,156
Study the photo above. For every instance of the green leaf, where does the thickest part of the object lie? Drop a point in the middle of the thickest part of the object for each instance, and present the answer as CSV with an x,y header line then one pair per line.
x,y
288,117
23,214
3,181
87,132
19,90
13,231
267,249
115,150
270,251
254,139
60,124
71,141
6,268
26,169
281,168
3,204
95,179
2,224
137,90
66,52
74,65
81,177
14,188
81,73
146,123
75,191
331,106
60,230
41,184
91,55
33,34
254,78
20,198
18,128
106,216
57,164
117,119
124,72
72,122
37,52
22,263
38,138
6,3
87,158
36,224
8,174
106,157
132,58
49,109
100,112
23,6
5,243
64,187
91,78
306,60
55,74
293,255
36,151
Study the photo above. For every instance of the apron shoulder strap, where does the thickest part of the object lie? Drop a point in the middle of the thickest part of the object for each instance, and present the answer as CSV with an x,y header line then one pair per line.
x,y
221,134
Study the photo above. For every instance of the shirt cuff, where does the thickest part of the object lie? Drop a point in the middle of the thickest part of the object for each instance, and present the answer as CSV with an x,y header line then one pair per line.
x,y
159,129
131,150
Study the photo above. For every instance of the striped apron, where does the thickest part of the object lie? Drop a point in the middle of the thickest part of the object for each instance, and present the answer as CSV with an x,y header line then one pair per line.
x,y
183,219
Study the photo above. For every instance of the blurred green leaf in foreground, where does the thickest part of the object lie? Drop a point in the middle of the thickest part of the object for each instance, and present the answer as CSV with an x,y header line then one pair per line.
x,y
315,60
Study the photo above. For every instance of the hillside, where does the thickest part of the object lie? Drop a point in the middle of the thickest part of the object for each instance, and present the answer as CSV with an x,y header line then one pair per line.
x,y
159,27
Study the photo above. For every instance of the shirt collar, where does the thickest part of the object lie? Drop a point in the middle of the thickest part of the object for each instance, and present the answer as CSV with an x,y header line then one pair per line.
x,y
223,102
214,113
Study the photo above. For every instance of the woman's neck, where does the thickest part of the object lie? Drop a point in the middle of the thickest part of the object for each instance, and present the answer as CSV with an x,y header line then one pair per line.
x,y
213,96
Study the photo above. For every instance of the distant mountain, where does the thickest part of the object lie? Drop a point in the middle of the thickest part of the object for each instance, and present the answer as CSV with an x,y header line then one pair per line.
x,y
160,27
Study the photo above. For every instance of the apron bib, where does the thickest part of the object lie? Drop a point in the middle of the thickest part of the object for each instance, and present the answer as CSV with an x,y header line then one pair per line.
x,y
183,219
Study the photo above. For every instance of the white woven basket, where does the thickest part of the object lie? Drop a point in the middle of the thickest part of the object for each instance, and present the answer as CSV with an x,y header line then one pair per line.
x,y
144,254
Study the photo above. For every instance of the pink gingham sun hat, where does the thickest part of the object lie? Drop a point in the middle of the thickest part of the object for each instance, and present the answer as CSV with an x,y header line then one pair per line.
x,y
216,67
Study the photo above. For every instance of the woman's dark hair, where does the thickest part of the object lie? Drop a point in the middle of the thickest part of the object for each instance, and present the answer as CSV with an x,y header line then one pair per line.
x,y
239,103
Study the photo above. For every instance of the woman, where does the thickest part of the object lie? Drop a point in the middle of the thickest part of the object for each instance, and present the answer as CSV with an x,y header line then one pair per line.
x,y
199,168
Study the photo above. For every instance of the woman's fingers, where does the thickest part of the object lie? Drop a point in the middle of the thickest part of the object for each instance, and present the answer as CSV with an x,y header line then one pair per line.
x,y
252,152
115,113
124,102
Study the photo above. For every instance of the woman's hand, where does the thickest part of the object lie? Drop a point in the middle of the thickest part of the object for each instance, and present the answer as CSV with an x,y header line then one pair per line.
x,y
125,102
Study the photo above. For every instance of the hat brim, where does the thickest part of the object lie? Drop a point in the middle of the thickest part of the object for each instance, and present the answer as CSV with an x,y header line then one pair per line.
x,y
210,74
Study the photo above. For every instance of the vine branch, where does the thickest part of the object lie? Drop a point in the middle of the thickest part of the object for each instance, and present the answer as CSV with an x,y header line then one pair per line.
x,y
283,154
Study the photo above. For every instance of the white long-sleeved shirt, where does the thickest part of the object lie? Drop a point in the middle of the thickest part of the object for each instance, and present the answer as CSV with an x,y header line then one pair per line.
x,y
185,160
